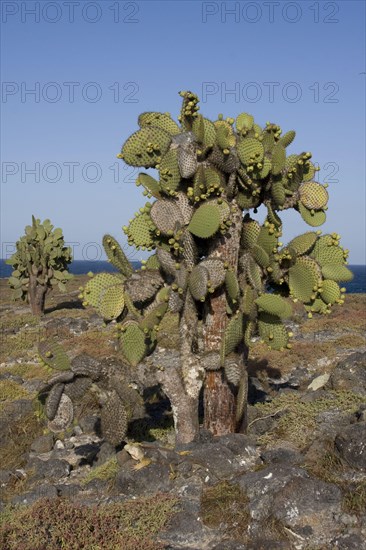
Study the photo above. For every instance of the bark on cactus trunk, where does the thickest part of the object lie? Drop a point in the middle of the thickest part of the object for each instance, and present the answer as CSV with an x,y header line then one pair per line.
x,y
219,395
37,296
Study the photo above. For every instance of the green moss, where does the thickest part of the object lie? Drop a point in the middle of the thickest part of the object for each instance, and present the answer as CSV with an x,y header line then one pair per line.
x,y
58,523
28,371
17,321
299,419
106,472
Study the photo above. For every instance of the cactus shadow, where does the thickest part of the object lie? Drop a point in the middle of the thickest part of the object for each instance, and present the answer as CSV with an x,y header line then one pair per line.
x,y
64,305
259,371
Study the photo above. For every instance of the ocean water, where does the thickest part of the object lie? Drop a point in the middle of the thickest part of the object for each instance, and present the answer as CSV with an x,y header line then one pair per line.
x,y
81,267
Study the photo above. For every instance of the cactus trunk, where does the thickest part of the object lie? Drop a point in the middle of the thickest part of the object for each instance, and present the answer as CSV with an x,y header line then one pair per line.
x,y
219,396
37,296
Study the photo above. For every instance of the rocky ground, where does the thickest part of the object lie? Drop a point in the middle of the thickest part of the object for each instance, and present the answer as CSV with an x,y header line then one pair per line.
x,y
297,479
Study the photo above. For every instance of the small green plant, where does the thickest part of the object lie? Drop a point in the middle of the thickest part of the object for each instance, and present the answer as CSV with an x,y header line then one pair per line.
x,y
39,264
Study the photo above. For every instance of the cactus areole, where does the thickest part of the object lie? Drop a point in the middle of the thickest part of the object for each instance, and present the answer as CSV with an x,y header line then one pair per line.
x,y
39,264
216,272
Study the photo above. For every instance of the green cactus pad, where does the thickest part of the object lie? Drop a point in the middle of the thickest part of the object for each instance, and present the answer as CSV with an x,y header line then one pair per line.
x,y
225,136
308,171
317,306
111,302
153,318
233,335
260,256
244,123
278,193
337,272
250,232
303,243
248,333
330,292
205,221
165,215
267,239
152,262
113,419
287,138
313,195
248,300
146,147
232,284
273,217
151,185
246,200
189,109
97,284
276,305
312,217
141,231
133,343
250,151
197,282
205,131
303,277
278,159
170,177
116,255
53,354
326,251
159,120
272,331
254,274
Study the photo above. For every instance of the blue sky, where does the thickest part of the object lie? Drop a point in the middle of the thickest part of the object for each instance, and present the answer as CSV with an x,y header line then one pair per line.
x,y
94,66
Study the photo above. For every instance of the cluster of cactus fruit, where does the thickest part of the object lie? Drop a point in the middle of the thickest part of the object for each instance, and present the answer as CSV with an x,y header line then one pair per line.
x,y
71,380
39,263
208,172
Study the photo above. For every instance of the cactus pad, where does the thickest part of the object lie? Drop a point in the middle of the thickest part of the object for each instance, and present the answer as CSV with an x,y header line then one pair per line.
x,y
77,388
116,255
111,302
170,177
133,343
337,272
205,221
114,420
53,355
303,243
275,305
146,147
250,151
330,292
313,195
232,284
272,331
140,232
233,335
97,284
165,215
64,416
303,277
159,120
312,217
151,185
53,400
197,282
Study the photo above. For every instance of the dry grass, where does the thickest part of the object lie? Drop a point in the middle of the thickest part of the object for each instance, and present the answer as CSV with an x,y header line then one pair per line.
x,y
225,506
58,523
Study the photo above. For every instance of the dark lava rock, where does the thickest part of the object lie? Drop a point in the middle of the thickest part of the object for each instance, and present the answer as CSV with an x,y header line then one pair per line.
x,y
350,374
68,491
268,544
151,479
185,529
48,469
282,455
349,542
309,507
106,452
229,545
351,445
43,444
5,476
42,491
90,424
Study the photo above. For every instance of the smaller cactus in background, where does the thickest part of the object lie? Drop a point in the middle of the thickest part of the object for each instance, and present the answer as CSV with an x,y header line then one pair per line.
x,y
39,264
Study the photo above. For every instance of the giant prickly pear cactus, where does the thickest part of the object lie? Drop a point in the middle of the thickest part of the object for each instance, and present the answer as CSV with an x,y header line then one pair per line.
x,y
39,264
214,265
